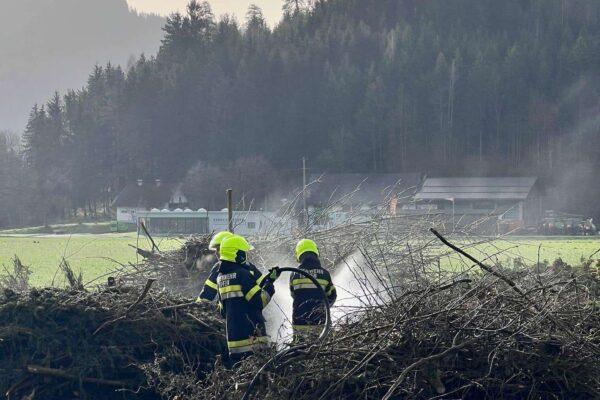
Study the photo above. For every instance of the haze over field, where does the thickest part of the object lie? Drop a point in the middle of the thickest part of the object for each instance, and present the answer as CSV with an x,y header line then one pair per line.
x,y
49,45
468,88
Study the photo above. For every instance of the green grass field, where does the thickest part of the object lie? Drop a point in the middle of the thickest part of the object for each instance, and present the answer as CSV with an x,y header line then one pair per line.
x,y
529,249
93,255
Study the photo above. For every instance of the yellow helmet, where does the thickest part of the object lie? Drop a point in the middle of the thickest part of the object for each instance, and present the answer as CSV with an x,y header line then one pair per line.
x,y
231,248
218,239
304,246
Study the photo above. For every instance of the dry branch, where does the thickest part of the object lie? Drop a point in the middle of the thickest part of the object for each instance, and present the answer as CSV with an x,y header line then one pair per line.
x,y
486,268
57,373
129,309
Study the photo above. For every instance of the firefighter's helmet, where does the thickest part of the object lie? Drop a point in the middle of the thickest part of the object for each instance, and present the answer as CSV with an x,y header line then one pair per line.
x,y
217,239
234,249
305,246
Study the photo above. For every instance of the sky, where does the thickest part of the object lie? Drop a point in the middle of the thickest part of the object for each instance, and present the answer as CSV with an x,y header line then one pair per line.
x,y
271,8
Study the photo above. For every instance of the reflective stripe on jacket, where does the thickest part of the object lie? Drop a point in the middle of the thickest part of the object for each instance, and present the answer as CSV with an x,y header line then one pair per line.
x,y
242,301
308,304
209,291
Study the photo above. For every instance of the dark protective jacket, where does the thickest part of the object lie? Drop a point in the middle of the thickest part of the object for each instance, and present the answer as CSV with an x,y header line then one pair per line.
x,y
242,300
308,308
209,291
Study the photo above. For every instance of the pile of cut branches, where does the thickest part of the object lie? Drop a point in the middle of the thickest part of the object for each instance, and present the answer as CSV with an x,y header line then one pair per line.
x,y
67,344
424,331
471,338
182,271
416,330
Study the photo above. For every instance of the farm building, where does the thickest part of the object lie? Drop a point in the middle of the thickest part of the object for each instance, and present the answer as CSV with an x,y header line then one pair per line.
x,y
141,197
334,199
514,201
244,222
177,222
187,222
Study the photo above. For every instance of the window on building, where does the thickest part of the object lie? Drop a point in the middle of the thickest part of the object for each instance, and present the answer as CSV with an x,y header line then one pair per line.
x,y
484,205
251,225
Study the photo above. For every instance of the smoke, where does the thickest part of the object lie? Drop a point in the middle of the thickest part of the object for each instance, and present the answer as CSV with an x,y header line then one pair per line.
x,y
576,191
575,184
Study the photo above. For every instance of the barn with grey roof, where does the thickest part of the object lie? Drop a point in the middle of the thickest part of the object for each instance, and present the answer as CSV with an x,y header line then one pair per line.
x,y
511,199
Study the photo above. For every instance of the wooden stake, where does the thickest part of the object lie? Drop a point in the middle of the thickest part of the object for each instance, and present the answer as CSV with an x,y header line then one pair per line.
x,y
230,209
305,210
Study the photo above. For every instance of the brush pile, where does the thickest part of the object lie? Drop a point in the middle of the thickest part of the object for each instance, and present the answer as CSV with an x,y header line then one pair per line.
x,y
68,344
471,338
182,271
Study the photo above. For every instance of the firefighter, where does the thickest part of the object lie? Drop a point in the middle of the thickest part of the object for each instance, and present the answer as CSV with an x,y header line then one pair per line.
x,y
209,291
241,300
308,315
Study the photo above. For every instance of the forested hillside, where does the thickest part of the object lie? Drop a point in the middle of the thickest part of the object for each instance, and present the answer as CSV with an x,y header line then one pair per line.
x,y
477,87
47,45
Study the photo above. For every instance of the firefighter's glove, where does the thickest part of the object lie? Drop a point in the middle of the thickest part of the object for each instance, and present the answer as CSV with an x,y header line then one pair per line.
x,y
202,301
220,308
274,273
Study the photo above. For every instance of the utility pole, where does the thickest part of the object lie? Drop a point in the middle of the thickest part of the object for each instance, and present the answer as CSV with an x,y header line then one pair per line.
x,y
230,210
304,192
453,213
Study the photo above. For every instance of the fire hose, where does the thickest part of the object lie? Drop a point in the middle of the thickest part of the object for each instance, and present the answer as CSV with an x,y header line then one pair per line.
x,y
289,352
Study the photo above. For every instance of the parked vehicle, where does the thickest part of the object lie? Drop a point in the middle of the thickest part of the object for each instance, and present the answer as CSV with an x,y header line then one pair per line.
x,y
556,224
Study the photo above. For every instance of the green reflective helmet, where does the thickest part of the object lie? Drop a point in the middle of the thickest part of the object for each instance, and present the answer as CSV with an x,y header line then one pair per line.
x,y
234,249
304,246
218,239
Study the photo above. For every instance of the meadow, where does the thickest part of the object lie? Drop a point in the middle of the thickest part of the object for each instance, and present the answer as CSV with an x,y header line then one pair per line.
x,y
514,251
95,256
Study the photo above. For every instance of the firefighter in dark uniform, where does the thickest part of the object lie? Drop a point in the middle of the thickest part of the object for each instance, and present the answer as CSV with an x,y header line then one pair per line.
x,y
308,315
209,291
241,300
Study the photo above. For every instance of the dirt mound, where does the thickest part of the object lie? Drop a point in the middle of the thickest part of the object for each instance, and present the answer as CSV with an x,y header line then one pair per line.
x,y
61,344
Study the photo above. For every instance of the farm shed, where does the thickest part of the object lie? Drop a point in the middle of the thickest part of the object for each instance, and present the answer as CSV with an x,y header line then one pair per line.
x,y
176,222
515,201
140,197
188,222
